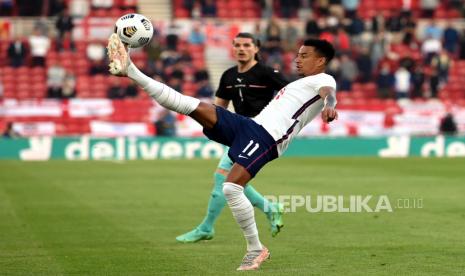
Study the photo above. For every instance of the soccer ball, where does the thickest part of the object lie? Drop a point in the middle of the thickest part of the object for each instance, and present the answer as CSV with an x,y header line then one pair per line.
x,y
134,29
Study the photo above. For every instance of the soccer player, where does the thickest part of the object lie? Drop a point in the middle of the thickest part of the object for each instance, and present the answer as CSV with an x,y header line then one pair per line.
x,y
250,86
253,142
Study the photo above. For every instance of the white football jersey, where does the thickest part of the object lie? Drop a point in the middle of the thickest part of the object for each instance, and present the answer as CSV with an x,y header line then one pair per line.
x,y
294,107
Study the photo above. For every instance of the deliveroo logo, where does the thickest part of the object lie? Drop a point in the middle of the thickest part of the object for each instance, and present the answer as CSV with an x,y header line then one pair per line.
x,y
40,149
397,146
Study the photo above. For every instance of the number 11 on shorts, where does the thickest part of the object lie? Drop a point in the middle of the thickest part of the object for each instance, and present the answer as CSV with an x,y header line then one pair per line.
x,y
255,148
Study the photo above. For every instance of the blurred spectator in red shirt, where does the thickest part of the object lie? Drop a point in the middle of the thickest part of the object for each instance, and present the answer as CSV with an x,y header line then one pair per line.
x,y
338,37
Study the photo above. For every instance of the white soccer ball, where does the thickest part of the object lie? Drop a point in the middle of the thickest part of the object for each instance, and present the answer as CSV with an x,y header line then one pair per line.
x,y
134,29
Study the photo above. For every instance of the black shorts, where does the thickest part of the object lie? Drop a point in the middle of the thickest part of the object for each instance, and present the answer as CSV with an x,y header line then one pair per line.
x,y
250,145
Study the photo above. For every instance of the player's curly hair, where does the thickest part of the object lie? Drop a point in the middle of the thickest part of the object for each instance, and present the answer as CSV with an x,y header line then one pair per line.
x,y
322,47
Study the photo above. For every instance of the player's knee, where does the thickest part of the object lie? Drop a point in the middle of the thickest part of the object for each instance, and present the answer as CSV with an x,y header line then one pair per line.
x,y
227,190
221,172
231,189
205,114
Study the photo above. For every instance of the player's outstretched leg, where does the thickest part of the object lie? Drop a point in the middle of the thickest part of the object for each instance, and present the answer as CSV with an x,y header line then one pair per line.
x,y
121,65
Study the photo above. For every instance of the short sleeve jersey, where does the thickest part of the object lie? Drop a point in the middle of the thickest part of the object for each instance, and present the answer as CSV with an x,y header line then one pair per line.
x,y
293,108
250,91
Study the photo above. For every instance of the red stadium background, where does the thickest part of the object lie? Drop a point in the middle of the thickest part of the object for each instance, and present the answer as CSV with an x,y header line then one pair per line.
x,y
409,62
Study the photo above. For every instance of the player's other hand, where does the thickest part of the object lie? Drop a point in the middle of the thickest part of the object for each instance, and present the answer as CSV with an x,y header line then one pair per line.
x,y
328,114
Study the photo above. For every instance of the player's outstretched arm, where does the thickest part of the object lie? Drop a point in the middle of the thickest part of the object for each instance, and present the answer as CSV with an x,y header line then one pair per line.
x,y
329,112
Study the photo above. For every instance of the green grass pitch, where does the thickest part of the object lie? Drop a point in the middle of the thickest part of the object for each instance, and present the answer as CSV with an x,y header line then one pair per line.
x,y
106,218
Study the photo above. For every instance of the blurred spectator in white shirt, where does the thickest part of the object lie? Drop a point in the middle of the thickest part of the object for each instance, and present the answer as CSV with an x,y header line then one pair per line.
x,y
79,8
69,86
102,4
428,7
402,83
40,44
96,54
429,48
55,80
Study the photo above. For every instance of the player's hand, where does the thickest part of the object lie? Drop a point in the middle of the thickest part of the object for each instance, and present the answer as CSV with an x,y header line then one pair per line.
x,y
328,114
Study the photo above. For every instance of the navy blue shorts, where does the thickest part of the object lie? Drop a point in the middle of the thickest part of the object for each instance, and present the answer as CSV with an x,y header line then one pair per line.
x,y
250,145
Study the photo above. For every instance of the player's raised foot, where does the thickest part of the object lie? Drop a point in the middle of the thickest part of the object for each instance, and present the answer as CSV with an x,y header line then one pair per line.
x,y
253,259
195,236
276,219
118,56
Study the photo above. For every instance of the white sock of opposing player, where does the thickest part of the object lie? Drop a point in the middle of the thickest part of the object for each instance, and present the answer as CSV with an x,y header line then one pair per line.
x,y
163,94
243,212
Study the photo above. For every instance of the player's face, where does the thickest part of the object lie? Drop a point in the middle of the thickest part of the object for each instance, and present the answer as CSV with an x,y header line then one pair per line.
x,y
308,61
244,49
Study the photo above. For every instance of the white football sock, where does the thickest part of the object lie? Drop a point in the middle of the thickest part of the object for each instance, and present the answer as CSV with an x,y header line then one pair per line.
x,y
163,94
243,212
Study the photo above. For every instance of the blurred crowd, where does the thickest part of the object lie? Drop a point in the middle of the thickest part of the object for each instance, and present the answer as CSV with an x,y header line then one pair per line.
x,y
399,55
403,61
77,8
